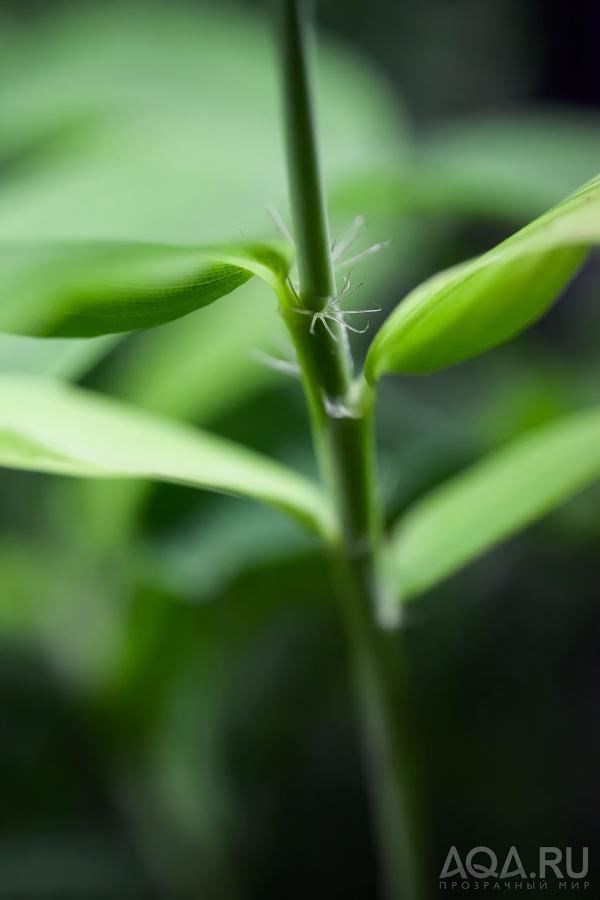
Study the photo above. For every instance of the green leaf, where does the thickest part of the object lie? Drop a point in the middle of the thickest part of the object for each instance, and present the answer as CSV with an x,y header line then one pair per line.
x,y
136,151
49,427
90,288
488,503
481,303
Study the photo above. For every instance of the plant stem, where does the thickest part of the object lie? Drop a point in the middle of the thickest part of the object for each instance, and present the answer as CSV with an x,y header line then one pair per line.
x,y
311,228
342,423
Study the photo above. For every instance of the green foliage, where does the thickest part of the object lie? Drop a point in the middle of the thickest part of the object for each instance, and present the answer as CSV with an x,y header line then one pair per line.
x,y
88,289
479,304
66,274
134,144
94,285
54,428
489,502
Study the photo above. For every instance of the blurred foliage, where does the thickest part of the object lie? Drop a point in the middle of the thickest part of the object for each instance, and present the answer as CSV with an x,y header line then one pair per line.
x,y
176,714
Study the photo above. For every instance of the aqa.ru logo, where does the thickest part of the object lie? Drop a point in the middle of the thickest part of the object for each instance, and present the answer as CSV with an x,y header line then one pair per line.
x,y
482,863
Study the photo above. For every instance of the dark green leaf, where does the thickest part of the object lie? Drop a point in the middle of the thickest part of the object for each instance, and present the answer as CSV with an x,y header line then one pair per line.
x,y
85,289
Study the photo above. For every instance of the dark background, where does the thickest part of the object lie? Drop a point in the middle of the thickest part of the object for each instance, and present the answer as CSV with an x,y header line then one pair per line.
x,y
505,657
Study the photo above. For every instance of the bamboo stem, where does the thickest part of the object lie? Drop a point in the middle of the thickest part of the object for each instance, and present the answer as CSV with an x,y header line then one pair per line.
x,y
342,424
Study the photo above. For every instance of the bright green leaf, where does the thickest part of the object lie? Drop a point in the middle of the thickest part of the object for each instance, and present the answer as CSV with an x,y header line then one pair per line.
x,y
49,427
481,303
488,503
88,288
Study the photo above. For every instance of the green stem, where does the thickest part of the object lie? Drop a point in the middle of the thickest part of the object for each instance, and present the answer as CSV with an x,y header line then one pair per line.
x,y
342,423
311,228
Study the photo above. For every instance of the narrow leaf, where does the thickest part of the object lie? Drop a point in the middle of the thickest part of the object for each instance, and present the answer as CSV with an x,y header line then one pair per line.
x,y
481,303
90,288
483,506
49,427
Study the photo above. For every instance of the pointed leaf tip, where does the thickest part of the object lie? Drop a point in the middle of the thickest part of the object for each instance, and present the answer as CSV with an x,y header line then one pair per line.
x,y
477,305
